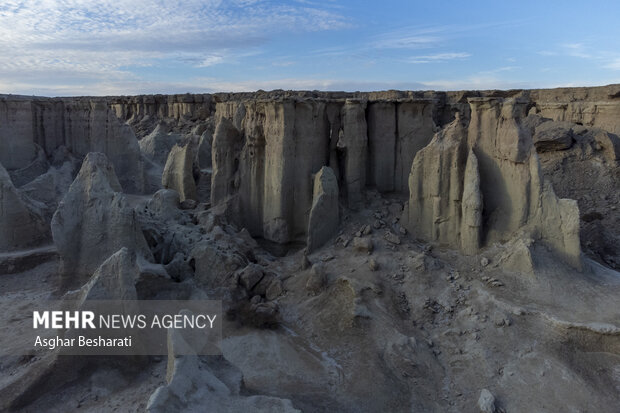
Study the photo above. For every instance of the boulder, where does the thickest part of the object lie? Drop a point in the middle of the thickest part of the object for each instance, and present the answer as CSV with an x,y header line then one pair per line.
x,y
193,382
553,136
392,238
179,268
216,263
609,143
250,276
165,204
324,215
317,279
486,402
363,244
274,290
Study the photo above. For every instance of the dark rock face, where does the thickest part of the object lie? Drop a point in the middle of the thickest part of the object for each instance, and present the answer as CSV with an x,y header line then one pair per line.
x,y
553,136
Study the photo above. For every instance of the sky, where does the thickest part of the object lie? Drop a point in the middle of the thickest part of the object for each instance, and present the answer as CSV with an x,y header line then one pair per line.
x,y
128,47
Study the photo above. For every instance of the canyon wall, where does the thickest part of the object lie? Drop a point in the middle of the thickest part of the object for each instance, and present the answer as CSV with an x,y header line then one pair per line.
x,y
80,125
465,162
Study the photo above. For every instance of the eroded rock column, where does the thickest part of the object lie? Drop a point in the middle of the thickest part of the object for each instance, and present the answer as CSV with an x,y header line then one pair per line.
x,y
324,215
94,220
354,143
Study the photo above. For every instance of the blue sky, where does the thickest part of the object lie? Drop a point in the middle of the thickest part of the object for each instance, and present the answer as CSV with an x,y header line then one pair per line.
x,y
111,47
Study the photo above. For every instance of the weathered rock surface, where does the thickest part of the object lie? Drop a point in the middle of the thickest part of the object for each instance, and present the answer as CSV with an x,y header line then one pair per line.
x,y
37,167
115,279
157,145
215,263
49,188
250,276
81,125
21,221
225,161
325,212
94,220
486,402
363,244
472,206
353,142
179,170
436,187
193,382
610,144
317,279
553,136
507,179
425,321
382,136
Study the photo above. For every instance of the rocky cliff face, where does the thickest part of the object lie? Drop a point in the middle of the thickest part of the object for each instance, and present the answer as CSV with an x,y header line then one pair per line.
x,y
80,125
448,242
267,146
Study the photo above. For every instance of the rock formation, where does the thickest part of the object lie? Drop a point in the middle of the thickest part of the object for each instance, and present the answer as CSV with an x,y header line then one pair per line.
x,y
225,155
192,383
325,214
436,187
472,205
37,167
81,125
21,221
502,179
179,170
115,279
94,220
415,129
382,136
412,248
156,145
353,141
553,136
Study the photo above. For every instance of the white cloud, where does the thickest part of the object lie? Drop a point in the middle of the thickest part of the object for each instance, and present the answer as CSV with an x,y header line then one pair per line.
x,y
577,50
99,40
613,65
438,57
477,82
307,84
601,58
